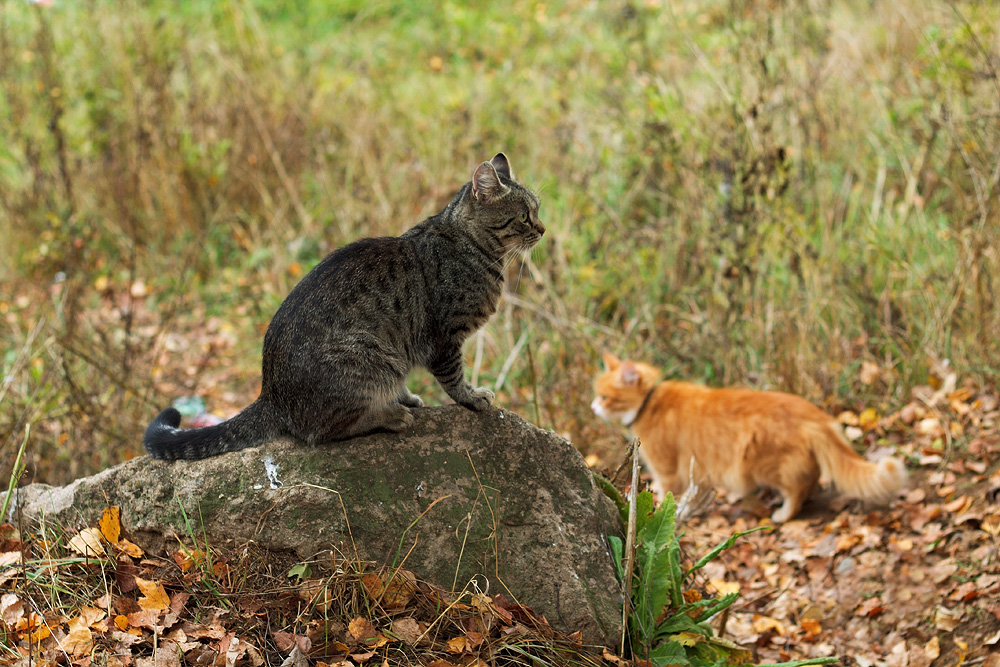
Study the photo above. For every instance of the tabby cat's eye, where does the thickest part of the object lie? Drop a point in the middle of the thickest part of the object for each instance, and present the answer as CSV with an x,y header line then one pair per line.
x,y
524,216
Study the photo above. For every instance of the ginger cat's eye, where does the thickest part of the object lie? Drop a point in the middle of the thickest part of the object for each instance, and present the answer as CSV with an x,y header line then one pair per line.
x,y
523,217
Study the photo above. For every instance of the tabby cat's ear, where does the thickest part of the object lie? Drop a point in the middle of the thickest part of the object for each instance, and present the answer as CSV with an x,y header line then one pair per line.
x,y
630,376
485,182
611,362
502,165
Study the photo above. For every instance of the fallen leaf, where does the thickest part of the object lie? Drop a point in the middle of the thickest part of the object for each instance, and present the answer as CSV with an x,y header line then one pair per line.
x,y
932,649
868,419
991,524
80,639
8,560
130,549
406,629
811,627
297,658
11,609
945,619
763,624
869,372
87,543
361,629
110,525
456,645
870,608
154,597
959,505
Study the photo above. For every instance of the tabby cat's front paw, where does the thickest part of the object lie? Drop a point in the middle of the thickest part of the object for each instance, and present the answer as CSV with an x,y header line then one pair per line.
x,y
409,399
479,399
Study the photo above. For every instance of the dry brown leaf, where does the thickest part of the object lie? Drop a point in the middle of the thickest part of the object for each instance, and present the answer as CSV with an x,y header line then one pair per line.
x,y
361,629
144,619
991,524
8,560
87,543
456,645
407,629
94,618
154,597
870,608
110,525
946,619
11,609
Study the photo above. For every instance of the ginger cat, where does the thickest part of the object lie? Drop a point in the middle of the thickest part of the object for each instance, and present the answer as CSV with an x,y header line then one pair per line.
x,y
740,439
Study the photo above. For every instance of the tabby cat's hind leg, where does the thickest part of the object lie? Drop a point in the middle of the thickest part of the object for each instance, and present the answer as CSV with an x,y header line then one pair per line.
x,y
393,417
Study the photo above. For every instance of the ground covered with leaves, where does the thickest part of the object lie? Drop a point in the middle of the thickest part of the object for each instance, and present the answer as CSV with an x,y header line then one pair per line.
x,y
915,584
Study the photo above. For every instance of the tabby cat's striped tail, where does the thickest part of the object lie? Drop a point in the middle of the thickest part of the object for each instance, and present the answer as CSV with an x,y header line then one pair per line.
x,y
255,425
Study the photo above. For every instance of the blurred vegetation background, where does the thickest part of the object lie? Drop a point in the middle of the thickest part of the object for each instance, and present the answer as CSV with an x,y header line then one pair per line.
x,y
790,195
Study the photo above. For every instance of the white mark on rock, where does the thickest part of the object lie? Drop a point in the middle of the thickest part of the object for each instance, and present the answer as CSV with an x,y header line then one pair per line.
x,y
501,414
271,468
420,490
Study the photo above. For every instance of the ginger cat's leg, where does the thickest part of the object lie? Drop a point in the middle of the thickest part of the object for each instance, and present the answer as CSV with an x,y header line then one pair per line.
x,y
797,480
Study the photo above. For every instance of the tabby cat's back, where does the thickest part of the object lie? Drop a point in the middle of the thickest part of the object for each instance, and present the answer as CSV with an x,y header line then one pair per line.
x,y
340,347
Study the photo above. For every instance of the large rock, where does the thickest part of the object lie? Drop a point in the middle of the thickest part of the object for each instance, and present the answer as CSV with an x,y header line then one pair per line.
x,y
512,504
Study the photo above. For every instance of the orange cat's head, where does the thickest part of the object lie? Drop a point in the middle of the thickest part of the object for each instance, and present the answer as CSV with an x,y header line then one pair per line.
x,y
622,387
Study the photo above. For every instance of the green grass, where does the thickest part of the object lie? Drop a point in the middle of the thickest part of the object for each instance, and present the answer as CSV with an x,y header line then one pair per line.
x,y
740,192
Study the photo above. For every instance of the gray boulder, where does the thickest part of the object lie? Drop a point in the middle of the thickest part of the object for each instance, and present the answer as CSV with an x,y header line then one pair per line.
x,y
513,506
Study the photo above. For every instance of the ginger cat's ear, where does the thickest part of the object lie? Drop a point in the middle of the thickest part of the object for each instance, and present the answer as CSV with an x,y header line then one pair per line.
x,y
630,376
611,362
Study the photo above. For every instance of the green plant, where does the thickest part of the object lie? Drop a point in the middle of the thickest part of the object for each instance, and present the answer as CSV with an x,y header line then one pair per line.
x,y
668,623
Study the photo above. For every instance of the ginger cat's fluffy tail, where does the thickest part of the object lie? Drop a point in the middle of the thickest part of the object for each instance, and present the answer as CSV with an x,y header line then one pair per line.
x,y
852,474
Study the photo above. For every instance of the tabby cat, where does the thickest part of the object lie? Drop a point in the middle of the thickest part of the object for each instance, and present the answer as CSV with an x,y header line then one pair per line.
x,y
738,439
338,350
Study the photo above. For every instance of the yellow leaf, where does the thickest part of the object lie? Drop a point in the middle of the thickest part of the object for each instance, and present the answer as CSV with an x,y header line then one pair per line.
x,y
111,527
87,543
687,638
80,640
456,645
93,617
121,622
130,549
868,419
154,597
932,649
763,623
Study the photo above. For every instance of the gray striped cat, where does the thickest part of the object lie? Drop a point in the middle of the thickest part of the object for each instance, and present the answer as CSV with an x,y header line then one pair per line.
x,y
338,351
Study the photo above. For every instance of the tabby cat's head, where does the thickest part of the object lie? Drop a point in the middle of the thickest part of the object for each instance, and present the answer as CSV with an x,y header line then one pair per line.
x,y
502,212
621,389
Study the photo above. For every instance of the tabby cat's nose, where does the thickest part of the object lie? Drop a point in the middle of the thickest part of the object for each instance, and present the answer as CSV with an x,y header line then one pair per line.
x,y
541,228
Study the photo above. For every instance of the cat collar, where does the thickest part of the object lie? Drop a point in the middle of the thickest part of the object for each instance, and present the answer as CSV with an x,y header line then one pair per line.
x,y
643,405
